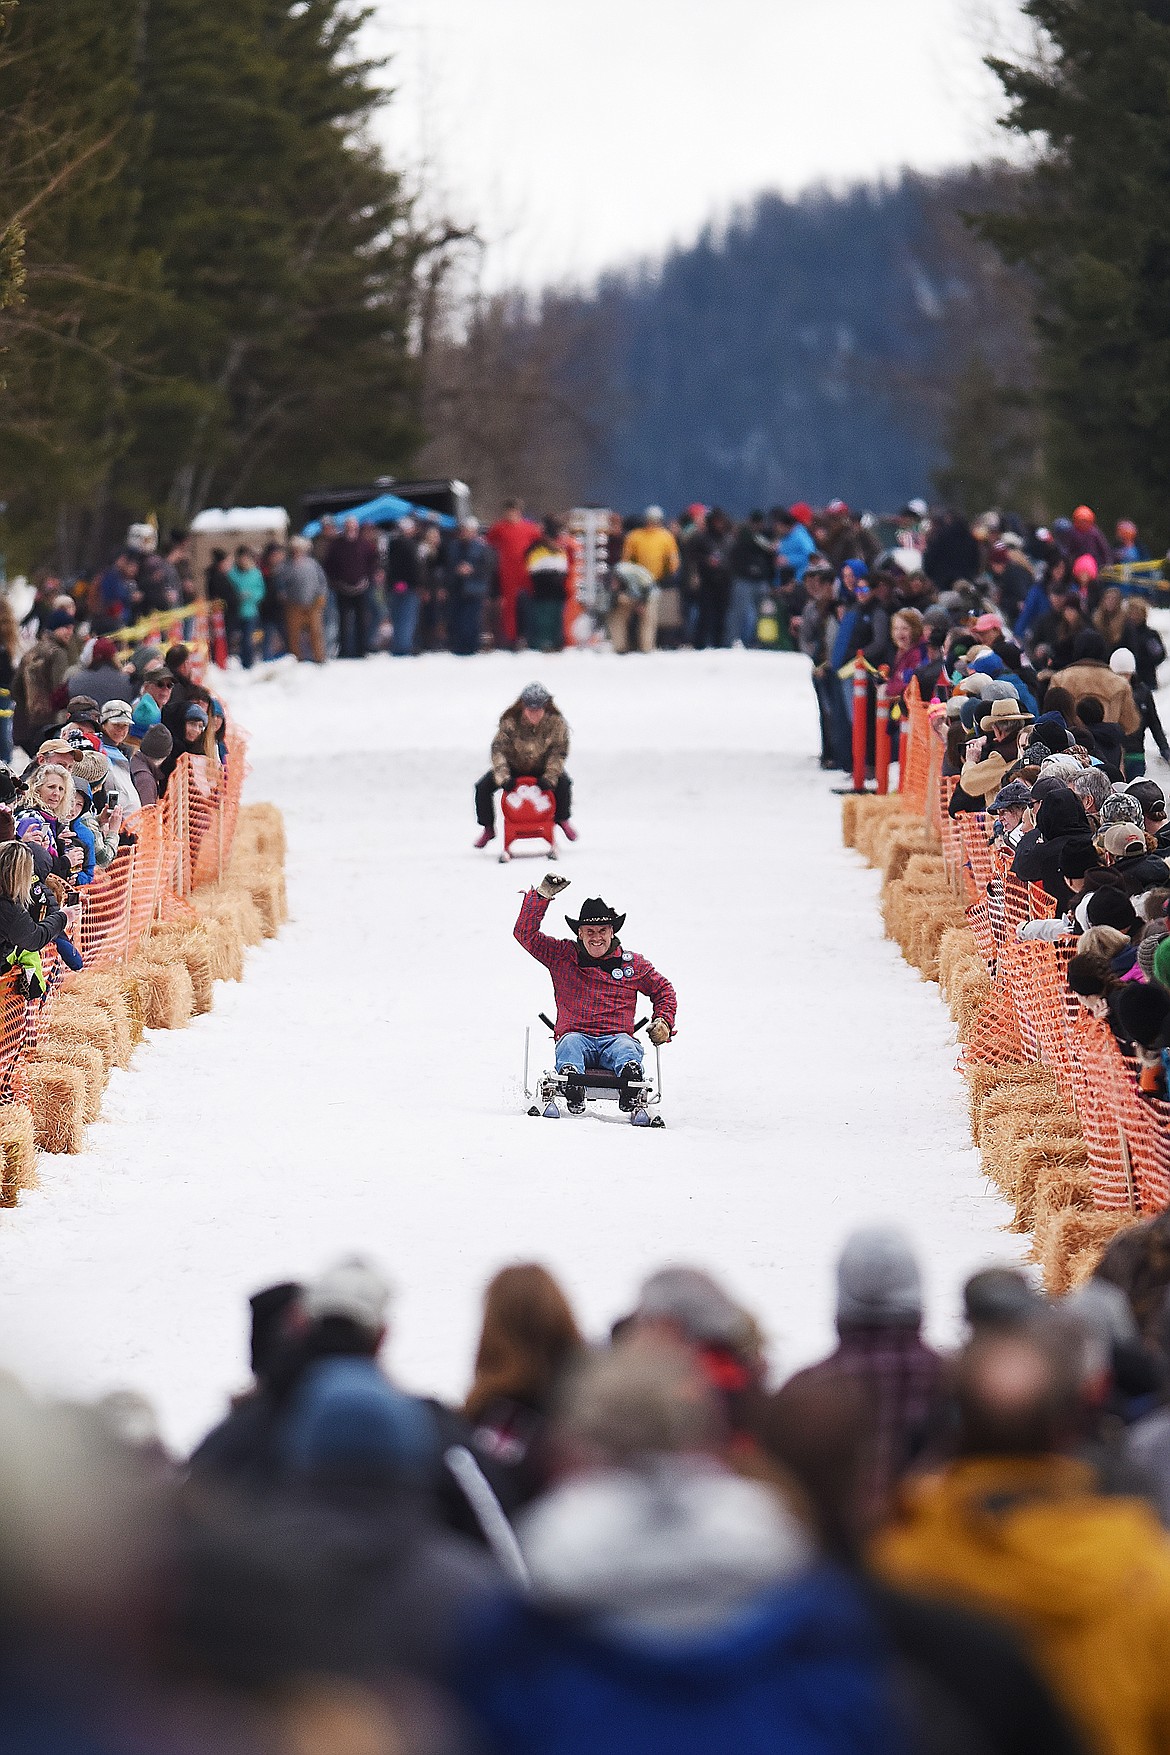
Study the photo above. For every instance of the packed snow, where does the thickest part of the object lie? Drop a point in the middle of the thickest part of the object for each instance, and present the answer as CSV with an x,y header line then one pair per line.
x,y
361,1088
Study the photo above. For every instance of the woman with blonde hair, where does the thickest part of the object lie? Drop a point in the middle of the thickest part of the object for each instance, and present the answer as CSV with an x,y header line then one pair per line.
x,y
48,808
529,1338
22,936
1110,620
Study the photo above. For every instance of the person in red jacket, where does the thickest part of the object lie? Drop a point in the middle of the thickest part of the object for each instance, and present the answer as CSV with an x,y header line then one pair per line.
x,y
596,984
512,536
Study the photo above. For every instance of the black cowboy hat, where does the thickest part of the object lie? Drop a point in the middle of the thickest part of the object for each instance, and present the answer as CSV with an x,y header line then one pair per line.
x,y
595,912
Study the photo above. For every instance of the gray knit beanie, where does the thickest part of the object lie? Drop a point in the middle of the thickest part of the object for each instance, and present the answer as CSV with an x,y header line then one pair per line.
x,y
1148,945
878,1283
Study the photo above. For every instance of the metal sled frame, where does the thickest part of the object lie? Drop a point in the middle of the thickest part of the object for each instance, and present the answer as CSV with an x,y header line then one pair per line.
x,y
550,1087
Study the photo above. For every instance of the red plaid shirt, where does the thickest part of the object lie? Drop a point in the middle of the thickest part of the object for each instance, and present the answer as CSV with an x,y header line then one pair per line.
x,y
595,1001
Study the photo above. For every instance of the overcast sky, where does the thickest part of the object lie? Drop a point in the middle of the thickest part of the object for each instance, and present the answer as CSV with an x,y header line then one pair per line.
x,y
578,134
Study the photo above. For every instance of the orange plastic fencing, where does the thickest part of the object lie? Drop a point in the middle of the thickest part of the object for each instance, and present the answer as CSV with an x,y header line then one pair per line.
x,y
1031,1015
180,843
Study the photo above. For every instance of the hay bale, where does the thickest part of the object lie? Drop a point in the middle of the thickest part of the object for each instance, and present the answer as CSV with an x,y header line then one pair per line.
x,y
18,1152
1076,1236
85,1057
262,828
872,812
231,902
265,886
849,819
1048,1161
931,866
56,1095
932,923
225,946
106,989
71,1020
893,901
1060,1182
982,1080
956,948
1005,1136
189,945
968,993
897,845
166,993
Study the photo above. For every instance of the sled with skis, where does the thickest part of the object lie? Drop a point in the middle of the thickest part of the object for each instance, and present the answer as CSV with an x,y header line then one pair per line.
x,y
550,1089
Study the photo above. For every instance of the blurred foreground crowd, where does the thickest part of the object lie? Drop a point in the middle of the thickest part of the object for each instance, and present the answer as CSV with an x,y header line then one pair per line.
x,y
636,1546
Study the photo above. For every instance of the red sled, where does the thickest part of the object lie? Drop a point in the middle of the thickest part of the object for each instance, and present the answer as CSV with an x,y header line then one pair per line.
x,y
530,814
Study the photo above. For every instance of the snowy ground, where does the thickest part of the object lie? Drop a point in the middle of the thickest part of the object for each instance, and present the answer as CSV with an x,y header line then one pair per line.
x,y
361,1088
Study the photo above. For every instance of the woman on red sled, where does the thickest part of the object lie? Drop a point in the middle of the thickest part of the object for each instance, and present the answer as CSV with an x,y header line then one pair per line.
x,y
596,984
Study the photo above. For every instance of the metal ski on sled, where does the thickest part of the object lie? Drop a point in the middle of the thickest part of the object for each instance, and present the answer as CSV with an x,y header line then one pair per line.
x,y
550,1092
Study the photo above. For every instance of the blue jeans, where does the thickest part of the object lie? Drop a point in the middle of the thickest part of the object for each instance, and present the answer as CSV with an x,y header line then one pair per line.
x,y
404,608
465,625
610,1053
248,627
743,612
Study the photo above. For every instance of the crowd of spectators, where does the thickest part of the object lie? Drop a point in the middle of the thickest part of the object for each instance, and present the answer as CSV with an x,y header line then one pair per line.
x,y
777,579
1041,675
636,1544
92,733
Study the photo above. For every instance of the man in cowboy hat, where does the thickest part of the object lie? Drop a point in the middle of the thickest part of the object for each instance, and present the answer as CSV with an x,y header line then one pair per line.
x,y
596,984
983,772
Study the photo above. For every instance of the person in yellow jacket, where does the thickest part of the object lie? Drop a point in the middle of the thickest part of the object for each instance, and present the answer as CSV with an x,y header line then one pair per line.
x,y
1020,1530
652,546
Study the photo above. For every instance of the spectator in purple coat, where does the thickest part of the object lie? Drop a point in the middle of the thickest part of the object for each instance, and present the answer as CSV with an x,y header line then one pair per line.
x,y
880,1346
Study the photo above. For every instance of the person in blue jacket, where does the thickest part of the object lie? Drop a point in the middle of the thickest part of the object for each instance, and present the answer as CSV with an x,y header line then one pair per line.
x,y
674,1608
794,541
248,584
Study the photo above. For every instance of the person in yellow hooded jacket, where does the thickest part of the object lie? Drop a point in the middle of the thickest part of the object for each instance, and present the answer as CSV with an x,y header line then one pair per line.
x,y
1017,1528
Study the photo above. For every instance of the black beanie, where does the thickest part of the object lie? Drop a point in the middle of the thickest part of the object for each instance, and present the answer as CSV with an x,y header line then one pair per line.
x,y
1051,734
1142,1010
1078,856
1111,908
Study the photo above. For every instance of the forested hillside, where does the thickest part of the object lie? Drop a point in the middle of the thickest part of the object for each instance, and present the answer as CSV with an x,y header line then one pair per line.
x,y
813,347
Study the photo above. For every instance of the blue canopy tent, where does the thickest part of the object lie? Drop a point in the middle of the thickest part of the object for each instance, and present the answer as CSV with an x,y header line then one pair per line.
x,y
386,509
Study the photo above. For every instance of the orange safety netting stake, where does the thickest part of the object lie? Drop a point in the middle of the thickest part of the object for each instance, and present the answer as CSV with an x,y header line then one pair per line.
x,y
860,710
881,747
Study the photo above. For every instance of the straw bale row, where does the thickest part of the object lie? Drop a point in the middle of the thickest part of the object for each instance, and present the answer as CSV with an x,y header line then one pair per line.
x,y
99,1015
1029,1139
862,814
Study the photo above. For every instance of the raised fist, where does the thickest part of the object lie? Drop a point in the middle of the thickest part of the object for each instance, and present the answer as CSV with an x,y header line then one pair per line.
x,y
551,884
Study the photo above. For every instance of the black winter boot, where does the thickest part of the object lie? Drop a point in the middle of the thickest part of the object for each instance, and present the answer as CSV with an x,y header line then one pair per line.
x,y
630,1074
575,1091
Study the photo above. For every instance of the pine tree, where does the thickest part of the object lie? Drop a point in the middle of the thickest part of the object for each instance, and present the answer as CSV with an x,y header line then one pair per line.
x,y
1093,224
220,267
288,249
68,130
